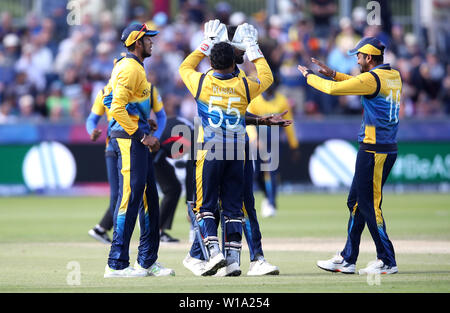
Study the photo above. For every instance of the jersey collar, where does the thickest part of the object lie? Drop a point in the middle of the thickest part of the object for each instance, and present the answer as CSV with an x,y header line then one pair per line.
x,y
132,56
235,73
385,66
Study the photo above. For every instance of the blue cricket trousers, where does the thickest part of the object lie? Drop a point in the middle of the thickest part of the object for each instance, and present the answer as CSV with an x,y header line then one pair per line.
x,y
364,202
137,194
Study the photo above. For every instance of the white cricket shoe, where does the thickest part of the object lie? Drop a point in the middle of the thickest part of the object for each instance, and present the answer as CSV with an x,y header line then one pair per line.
x,y
267,210
156,269
378,267
126,272
214,264
230,270
337,264
195,265
262,267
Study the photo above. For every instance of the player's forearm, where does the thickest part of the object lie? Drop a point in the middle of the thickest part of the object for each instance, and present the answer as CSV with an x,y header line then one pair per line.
x,y
120,114
265,75
341,76
91,122
354,86
251,119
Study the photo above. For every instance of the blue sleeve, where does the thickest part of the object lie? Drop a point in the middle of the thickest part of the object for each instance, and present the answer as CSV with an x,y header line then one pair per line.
x,y
91,122
248,114
161,120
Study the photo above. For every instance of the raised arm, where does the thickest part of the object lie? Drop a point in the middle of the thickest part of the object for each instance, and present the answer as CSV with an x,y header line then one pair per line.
x,y
246,35
214,32
363,84
188,73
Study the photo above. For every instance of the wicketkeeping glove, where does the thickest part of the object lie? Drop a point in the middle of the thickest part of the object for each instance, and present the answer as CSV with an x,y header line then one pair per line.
x,y
245,38
214,32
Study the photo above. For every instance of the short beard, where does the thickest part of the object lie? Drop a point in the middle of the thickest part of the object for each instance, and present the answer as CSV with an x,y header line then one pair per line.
x,y
145,54
363,68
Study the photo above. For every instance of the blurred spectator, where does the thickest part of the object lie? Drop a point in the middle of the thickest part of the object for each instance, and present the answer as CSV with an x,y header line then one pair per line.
x,y
6,25
23,85
427,78
102,65
290,11
223,11
322,12
26,107
107,31
58,105
236,19
338,59
8,58
48,35
7,111
398,45
444,94
193,10
62,66
30,65
40,105
359,20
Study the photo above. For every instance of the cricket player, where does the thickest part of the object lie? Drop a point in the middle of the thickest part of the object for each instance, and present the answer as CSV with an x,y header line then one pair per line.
x,y
380,87
131,140
258,264
99,232
222,99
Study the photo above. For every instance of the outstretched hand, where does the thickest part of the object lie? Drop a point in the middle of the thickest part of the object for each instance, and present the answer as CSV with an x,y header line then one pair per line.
x,y
323,69
304,70
275,119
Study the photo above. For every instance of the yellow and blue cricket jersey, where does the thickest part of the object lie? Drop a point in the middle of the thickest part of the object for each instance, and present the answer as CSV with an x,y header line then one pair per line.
x,y
380,89
98,107
263,105
222,100
130,99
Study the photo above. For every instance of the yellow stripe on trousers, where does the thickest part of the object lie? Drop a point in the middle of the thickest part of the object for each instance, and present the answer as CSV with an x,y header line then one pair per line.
x,y
125,147
144,200
380,159
354,208
201,155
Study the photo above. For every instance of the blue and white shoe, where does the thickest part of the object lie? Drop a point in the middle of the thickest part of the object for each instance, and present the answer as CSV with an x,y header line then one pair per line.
x,y
378,267
337,264
126,272
156,269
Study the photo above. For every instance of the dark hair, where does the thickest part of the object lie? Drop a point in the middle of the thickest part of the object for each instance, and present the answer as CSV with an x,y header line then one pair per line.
x,y
378,59
131,47
222,56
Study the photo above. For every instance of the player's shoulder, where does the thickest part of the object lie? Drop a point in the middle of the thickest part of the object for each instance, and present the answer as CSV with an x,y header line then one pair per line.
x,y
366,77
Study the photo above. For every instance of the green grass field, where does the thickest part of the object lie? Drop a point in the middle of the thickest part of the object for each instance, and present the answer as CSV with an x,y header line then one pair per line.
x,y
39,236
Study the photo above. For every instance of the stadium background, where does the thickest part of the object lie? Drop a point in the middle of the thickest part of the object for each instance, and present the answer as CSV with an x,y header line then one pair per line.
x,y
55,55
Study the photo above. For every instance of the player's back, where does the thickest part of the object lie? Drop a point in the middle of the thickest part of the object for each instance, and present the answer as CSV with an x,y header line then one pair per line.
x,y
221,104
381,110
